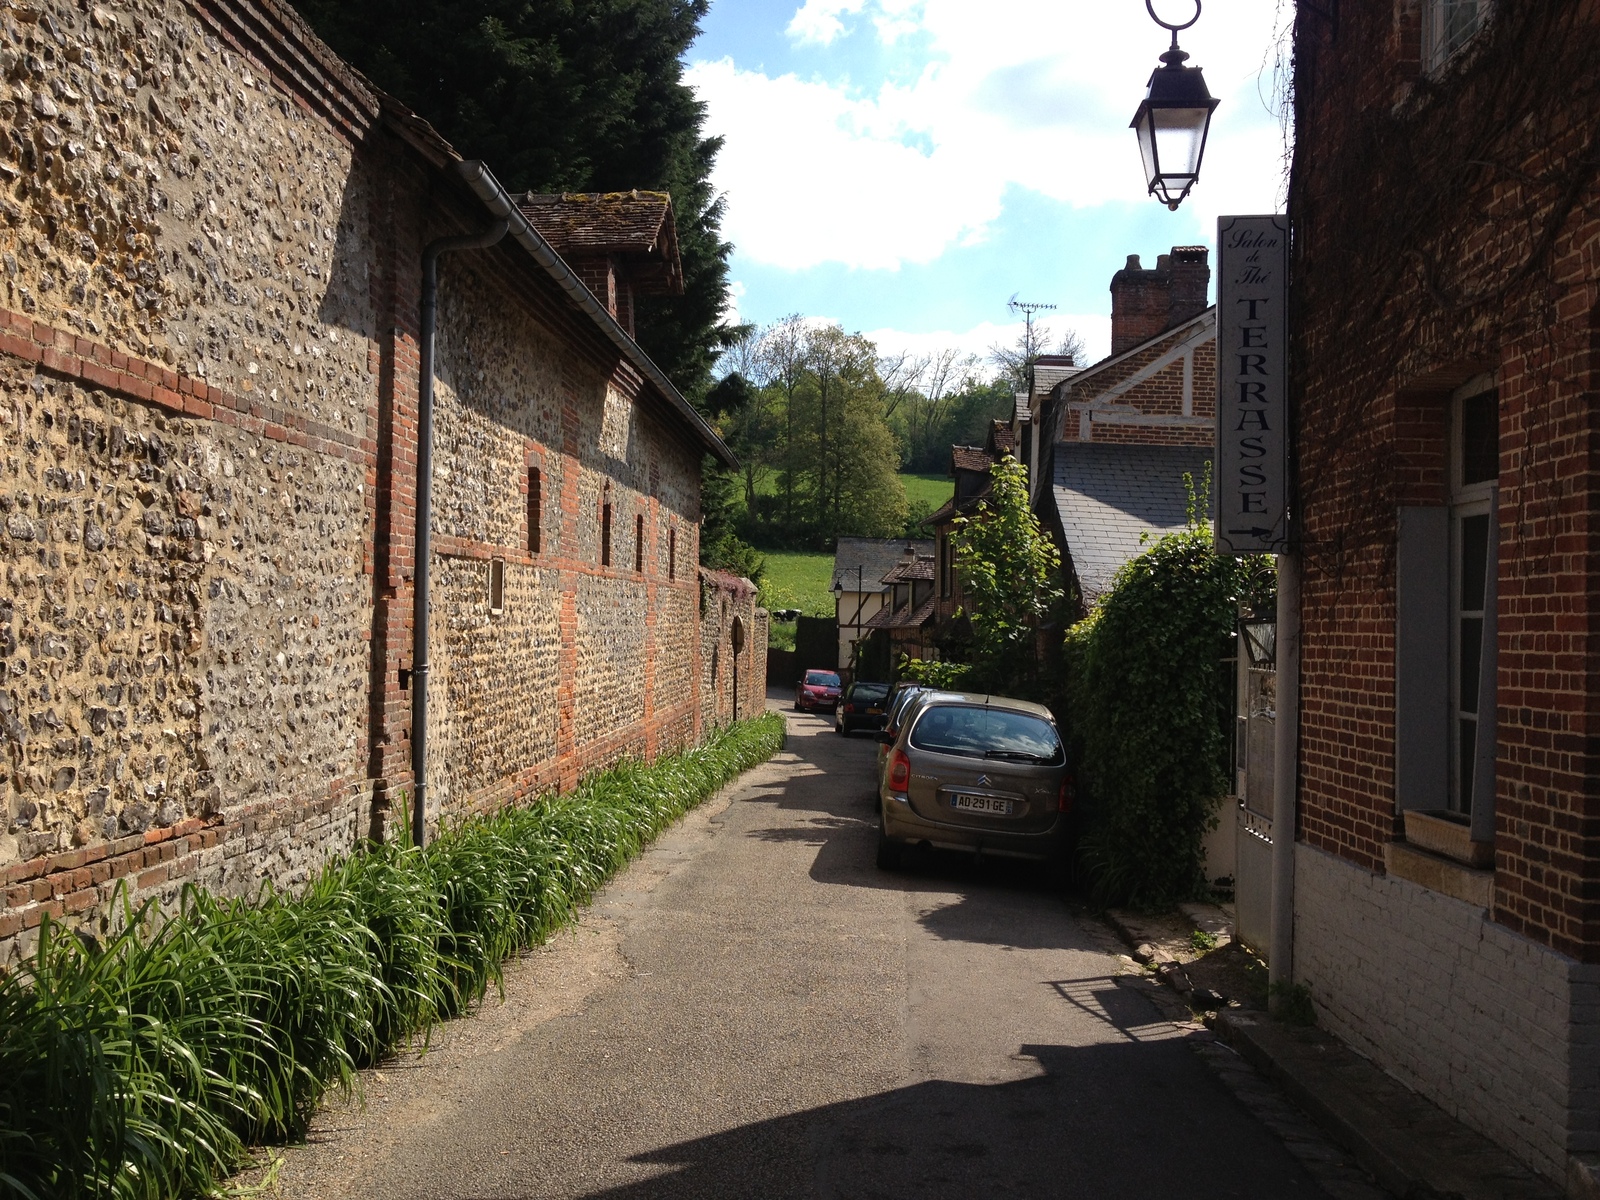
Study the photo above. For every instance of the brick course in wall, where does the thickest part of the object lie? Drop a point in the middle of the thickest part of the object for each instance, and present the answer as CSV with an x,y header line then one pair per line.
x,y
208,450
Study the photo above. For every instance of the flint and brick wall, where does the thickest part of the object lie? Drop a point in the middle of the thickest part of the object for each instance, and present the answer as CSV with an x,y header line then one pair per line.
x,y
209,249
725,598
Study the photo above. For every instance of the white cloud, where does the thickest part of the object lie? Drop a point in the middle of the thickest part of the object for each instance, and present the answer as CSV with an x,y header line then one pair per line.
x,y
1093,328
817,21
1029,93
730,302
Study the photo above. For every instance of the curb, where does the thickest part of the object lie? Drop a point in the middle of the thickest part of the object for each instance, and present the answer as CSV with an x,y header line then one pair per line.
x,y
1413,1148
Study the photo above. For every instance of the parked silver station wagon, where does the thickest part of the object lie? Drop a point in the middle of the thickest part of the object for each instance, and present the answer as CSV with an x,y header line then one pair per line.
x,y
977,773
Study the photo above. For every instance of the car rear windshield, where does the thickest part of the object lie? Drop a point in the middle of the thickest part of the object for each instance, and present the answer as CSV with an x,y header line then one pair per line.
x,y
869,691
987,733
822,679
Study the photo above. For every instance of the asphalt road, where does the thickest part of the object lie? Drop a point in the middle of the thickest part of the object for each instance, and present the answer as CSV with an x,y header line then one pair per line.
x,y
754,1010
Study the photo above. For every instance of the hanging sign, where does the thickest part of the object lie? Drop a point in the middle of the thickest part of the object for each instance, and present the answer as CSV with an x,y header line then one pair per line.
x,y
1252,384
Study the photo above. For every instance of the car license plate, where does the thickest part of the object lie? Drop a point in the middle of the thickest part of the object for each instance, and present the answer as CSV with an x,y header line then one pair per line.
x,y
991,805
874,712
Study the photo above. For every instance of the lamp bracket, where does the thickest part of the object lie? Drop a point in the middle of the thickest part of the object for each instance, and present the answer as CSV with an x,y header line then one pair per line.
x,y
1149,7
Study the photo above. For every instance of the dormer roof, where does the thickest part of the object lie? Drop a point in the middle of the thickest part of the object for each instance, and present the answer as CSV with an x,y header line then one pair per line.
x,y
636,227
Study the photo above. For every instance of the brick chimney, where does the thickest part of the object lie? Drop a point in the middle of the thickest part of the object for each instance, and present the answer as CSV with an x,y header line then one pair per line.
x,y
1191,279
1145,303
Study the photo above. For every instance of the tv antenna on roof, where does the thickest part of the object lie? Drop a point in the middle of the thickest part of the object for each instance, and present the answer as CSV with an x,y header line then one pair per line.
x,y
1027,308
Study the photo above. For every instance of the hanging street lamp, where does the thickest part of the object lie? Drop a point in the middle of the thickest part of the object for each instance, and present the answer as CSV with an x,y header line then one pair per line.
x,y
1173,120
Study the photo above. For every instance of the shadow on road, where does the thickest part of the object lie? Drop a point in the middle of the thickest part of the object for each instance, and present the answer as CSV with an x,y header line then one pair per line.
x,y
1099,1122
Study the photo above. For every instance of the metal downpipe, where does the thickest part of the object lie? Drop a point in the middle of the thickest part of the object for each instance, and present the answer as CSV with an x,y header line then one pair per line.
x,y
423,554
1286,776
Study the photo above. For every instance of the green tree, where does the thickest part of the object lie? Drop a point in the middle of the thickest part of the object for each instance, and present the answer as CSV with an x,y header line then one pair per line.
x,y
566,95
820,460
1009,572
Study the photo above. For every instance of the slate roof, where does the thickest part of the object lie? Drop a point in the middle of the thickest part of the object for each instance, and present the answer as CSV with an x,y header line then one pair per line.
x,y
875,556
1050,370
635,225
1107,495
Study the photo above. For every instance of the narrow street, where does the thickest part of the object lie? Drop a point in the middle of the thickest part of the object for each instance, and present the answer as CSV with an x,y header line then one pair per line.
x,y
753,1009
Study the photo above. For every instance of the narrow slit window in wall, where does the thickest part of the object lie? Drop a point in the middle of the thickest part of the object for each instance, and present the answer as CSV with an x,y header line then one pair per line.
x,y
497,586
638,543
672,553
535,508
605,534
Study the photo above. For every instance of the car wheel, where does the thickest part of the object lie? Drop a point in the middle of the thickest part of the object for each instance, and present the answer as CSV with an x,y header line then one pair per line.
x,y
890,852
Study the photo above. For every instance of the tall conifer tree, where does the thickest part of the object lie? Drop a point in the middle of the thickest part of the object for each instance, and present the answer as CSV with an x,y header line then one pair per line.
x,y
565,95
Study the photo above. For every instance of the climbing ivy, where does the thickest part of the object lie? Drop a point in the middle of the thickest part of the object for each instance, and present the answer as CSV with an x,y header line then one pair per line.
x,y
1148,701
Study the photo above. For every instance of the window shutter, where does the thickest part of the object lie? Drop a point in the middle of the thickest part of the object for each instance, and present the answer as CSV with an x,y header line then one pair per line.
x,y
1422,659
1488,733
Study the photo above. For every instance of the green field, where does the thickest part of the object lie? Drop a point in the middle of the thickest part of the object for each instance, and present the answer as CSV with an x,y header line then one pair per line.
x,y
795,580
933,490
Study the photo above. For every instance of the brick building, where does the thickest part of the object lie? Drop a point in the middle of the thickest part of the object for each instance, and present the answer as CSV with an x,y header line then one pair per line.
x,y
1446,338
212,234
1109,444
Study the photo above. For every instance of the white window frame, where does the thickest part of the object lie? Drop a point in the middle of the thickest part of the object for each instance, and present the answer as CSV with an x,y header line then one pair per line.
x,y
1438,46
1468,500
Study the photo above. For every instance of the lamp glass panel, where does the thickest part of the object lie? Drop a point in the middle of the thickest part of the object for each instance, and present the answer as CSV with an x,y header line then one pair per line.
x,y
1147,149
1180,135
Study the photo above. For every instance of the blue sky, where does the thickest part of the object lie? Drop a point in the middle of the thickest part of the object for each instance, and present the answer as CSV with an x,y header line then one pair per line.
x,y
905,166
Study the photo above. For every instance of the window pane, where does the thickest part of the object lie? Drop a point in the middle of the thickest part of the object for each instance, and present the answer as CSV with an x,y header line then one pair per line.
x,y
1467,748
1474,558
957,729
1480,438
1460,23
1467,679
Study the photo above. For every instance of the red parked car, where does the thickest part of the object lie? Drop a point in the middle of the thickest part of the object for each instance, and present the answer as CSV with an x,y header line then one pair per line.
x,y
817,691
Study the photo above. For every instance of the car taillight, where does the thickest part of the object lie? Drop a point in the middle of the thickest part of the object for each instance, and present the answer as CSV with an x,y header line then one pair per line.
x,y
899,771
1068,793
849,708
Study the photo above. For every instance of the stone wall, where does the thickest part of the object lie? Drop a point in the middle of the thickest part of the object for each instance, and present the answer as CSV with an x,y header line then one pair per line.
x,y
209,286
1500,1032
725,599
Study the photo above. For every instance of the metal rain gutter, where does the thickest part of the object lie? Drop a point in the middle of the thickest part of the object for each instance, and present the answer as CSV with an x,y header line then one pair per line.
x,y
487,188
423,554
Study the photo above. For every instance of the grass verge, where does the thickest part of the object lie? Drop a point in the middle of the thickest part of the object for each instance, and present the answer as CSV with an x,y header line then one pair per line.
x,y
144,1067
795,579
932,490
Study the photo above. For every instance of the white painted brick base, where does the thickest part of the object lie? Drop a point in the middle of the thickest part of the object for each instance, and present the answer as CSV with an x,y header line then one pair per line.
x,y
1500,1032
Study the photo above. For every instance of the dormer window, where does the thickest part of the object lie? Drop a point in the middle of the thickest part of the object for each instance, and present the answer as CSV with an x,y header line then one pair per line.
x,y
1447,26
